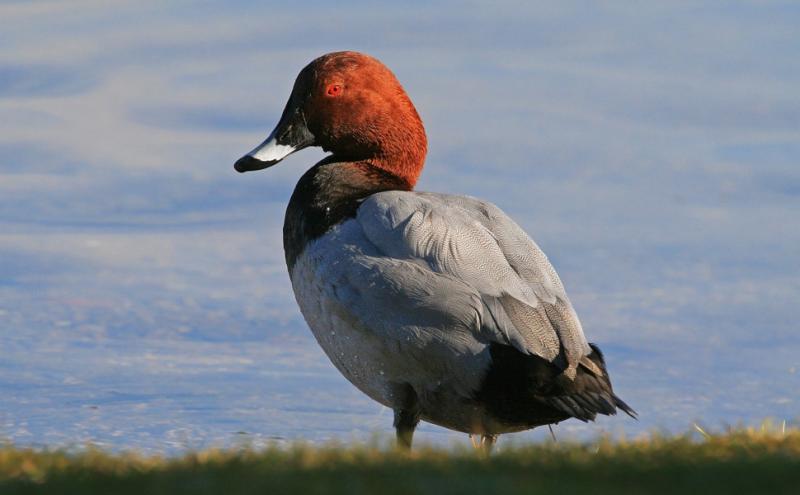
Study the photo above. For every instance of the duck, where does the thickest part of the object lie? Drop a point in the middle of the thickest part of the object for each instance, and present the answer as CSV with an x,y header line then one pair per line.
x,y
437,306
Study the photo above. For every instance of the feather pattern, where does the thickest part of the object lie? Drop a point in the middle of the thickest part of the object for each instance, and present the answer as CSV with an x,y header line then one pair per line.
x,y
523,302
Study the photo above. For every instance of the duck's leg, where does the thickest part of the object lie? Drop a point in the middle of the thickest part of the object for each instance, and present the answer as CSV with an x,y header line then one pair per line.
x,y
487,442
406,417
404,423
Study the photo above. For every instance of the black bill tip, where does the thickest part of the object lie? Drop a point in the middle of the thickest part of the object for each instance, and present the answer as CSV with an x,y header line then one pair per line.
x,y
247,164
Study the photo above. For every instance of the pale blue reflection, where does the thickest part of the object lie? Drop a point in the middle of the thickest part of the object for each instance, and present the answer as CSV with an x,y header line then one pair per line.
x,y
651,151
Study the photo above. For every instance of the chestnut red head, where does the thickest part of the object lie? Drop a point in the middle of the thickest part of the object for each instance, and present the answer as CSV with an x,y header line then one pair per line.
x,y
351,105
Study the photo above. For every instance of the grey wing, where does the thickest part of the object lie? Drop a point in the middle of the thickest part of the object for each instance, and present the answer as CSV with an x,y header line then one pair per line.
x,y
522,300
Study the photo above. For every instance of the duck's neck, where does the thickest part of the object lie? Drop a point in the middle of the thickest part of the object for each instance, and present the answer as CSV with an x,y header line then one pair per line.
x,y
403,154
330,193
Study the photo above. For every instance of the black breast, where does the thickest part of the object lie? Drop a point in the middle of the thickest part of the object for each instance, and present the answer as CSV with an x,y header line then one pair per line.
x,y
328,194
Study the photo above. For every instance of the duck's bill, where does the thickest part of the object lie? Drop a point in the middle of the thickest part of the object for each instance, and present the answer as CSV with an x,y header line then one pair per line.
x,y
290,135
264,155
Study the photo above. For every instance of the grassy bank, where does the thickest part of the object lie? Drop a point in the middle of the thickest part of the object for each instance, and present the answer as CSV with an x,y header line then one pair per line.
x,y
743,461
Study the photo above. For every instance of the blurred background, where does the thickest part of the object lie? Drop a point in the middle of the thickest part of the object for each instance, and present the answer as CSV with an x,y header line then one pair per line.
x,y
652,150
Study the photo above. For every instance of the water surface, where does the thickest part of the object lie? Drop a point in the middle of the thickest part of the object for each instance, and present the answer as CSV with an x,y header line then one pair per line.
x,y
653,152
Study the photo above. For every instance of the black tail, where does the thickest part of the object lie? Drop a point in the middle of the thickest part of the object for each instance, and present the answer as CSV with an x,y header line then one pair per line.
x,y
588,394
523,389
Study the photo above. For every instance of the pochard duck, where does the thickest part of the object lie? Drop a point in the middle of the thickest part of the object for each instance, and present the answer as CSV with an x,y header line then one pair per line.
x,y
437,306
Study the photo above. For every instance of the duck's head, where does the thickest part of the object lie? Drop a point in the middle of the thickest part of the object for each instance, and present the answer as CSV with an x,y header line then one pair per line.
x,y
351,105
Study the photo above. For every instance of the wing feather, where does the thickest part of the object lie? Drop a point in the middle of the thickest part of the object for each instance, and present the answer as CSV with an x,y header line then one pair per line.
x,y
522,300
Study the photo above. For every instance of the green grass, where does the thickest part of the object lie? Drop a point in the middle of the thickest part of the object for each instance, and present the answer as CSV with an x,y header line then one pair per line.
x,y
763,461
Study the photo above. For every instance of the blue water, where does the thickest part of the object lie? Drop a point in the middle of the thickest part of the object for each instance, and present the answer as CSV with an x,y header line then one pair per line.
x,y
652,151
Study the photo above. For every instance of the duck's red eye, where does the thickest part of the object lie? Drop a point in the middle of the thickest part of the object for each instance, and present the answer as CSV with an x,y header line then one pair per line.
x,y
334,90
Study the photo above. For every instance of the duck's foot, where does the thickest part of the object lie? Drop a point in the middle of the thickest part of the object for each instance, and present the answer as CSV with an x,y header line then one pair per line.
x,y
405,435
485,444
